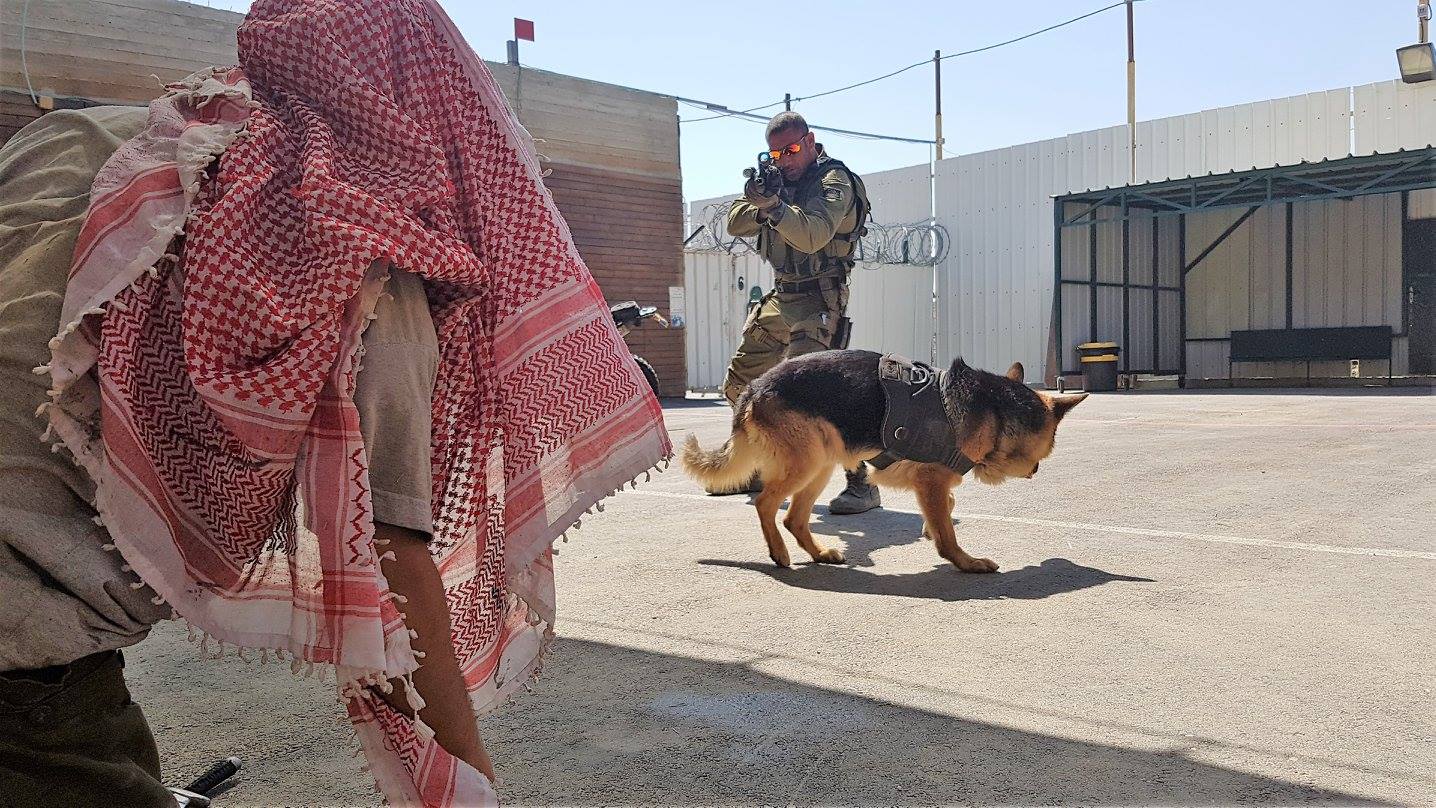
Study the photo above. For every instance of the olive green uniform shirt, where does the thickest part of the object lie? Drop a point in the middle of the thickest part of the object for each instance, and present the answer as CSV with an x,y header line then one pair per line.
x,y
798,237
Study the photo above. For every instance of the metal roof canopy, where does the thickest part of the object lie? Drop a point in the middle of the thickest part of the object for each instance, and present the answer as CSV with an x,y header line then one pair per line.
x,y
1344,178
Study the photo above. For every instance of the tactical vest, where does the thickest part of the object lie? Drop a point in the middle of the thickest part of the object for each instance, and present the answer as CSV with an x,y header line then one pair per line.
x,y
835,259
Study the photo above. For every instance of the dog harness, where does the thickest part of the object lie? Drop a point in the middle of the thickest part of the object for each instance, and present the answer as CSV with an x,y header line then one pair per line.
x,y
916,426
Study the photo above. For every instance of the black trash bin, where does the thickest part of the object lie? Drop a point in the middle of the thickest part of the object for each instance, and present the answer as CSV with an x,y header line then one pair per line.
x,y
1099,366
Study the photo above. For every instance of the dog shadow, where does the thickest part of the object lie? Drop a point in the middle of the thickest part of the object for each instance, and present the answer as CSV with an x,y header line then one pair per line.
x,y
1055,576
867,533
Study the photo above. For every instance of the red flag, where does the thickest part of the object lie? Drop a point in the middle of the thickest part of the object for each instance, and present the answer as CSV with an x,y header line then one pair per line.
x,y
523,29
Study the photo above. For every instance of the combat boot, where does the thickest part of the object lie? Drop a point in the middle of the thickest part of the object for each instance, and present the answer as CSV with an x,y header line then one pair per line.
x,y
859,497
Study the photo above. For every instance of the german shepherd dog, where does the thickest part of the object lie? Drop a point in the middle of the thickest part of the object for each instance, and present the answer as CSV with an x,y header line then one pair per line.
x,y
797,421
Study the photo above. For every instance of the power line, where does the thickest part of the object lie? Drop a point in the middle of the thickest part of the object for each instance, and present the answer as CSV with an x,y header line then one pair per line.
x,y
748,115
1035,33
724,112
705,105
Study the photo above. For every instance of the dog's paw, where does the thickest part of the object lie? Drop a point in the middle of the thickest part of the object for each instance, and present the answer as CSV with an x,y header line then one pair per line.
x,y
783,563
830,555
977,565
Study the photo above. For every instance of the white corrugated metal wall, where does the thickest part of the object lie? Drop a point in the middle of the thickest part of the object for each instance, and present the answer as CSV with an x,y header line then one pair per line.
x,y
995,293
995,288
891,305
716,309
1391,116
718,284
1282,131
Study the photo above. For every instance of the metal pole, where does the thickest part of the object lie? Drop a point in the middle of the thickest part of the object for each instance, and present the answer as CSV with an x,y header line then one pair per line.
x,y
1061,361
1132,92
936,318
932,186
1423,15
1182,298
1092,278
936,76
1126,349
1156,296
1291,267
788,101
937,89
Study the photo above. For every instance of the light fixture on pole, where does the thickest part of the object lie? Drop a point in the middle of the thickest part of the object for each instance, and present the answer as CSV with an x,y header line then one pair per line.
x,y
1418,62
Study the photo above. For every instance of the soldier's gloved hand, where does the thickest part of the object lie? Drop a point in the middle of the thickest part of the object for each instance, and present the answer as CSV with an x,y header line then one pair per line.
x,y
762,203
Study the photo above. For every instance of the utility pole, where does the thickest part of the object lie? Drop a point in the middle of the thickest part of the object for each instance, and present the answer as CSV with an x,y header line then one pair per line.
x,y
788,101
1131,93
932,187
1423,14
937,87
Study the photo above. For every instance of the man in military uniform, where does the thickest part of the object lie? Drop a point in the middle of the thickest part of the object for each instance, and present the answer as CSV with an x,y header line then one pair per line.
x,y
808,232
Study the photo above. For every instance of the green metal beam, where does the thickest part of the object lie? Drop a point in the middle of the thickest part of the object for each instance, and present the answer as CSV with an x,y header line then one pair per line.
x,y
1251,211
1336,179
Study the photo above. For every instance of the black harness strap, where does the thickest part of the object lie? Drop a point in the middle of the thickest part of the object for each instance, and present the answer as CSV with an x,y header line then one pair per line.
x,y
916,426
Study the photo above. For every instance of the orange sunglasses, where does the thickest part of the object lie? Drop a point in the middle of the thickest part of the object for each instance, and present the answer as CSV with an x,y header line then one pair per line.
x,y
791,148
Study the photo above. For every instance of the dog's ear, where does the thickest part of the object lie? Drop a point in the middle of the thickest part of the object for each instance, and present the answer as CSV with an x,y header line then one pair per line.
x,y
1017,373
958,367
1062,404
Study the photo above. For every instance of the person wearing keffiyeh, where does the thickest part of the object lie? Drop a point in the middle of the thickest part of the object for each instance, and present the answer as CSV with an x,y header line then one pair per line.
x,y
325,377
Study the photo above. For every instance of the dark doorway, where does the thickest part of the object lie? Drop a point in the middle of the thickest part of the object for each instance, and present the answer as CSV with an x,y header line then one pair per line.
x,y
1419,294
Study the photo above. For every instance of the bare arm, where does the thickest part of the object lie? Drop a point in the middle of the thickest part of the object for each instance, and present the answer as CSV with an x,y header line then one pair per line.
x,y
413,574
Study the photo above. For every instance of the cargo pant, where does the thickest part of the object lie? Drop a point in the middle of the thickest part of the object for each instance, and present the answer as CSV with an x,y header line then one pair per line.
x,y
784,325
70,735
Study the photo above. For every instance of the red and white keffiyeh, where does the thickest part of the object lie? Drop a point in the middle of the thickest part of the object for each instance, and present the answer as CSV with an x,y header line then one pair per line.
x,y
221,302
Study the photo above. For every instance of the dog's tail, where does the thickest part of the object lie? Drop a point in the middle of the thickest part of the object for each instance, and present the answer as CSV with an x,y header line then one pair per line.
x,y
730,465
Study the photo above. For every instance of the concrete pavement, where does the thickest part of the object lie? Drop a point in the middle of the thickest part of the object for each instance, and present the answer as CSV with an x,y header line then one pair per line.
x,y
1205,598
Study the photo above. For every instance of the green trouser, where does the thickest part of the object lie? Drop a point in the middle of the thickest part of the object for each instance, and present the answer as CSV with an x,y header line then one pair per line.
x,y
70,735
784,325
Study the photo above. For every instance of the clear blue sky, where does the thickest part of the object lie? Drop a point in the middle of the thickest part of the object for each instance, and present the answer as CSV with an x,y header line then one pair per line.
x,y
1191,55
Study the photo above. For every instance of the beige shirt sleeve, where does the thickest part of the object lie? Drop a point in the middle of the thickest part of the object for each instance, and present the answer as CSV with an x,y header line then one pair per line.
x,y
394,394
62,595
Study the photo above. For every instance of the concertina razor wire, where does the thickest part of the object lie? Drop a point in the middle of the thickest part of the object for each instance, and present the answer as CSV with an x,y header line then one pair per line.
x,y
921,244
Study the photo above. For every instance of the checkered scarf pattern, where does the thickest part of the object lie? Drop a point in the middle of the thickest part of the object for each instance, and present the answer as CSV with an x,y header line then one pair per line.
x,y
222,303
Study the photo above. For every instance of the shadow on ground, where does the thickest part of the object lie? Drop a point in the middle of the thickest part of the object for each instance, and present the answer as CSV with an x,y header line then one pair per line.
x,y
659,729
865,534
1055,576
862,534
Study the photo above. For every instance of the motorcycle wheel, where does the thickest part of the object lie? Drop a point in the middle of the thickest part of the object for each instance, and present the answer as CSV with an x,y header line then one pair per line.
x,y
648,372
